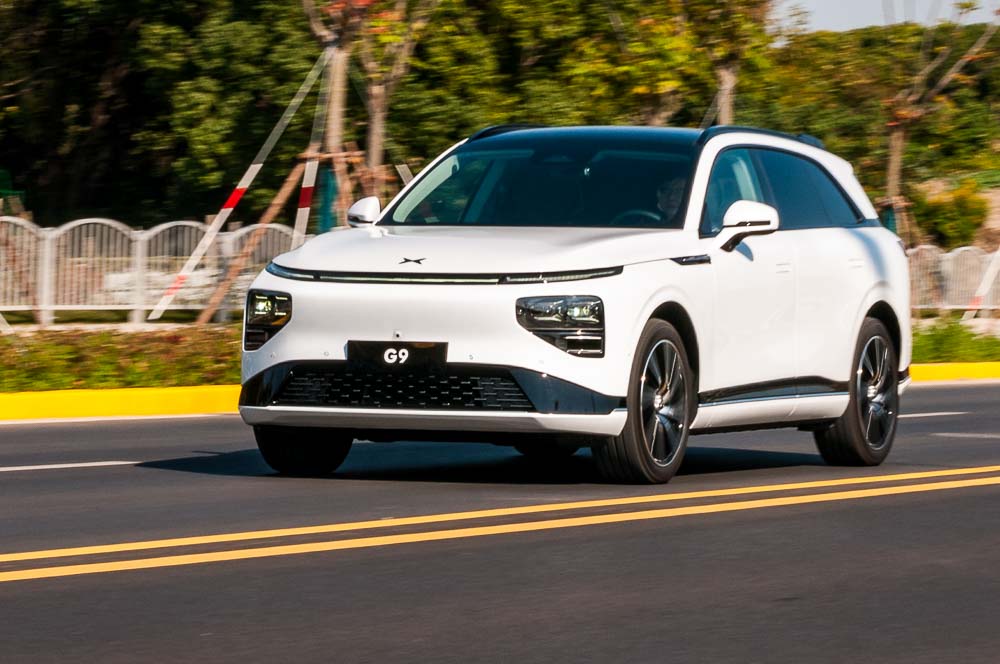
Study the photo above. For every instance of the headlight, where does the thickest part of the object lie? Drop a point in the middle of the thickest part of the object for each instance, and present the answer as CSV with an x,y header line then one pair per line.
x,y
573,323
266,313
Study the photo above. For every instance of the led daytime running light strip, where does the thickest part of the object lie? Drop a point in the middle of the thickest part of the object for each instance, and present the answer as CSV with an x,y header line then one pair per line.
x,y
468,279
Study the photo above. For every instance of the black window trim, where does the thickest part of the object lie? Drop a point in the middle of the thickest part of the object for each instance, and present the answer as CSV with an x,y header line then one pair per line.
x,y
765,182
704,203
859,218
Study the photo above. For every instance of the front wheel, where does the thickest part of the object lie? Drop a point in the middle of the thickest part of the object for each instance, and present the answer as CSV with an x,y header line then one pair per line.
x,y
864,433
301,451
661,404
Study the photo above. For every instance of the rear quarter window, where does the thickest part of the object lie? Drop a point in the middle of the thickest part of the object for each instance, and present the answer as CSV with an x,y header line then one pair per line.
x,y
804,194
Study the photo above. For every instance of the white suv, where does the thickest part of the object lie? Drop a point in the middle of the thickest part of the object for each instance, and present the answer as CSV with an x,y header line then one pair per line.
x,y
616,287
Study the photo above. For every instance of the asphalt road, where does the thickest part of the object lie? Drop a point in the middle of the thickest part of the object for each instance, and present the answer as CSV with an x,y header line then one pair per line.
x,y
756,552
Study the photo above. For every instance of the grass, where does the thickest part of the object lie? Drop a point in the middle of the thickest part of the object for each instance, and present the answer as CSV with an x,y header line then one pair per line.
x,y
950,341
59,360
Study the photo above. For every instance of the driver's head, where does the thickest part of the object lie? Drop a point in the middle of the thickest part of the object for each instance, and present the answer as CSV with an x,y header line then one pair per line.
x,y
670,195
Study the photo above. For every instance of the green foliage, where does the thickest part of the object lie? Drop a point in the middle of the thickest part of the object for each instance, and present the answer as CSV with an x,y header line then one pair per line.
x,y
953,217
728,30
147,111
69,360
950,341
150,111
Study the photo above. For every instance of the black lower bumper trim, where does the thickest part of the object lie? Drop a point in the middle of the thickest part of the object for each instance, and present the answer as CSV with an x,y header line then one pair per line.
x,y
333,384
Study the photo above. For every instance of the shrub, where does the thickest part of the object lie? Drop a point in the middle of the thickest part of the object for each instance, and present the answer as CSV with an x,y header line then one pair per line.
x,y
65,360
950,341
953,217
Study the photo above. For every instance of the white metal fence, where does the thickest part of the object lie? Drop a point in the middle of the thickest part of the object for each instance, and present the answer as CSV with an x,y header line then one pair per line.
x,y
949,280
94,264
102,264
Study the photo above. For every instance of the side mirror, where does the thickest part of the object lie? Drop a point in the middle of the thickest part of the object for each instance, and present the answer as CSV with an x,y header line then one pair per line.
x,y
746,218
364,212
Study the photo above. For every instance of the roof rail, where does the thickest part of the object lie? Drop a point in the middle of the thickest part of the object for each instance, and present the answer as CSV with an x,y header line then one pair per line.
x,y
712,132
496,130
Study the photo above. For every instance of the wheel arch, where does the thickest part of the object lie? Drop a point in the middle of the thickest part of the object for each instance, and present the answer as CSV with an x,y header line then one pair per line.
x,y
675,314
884,312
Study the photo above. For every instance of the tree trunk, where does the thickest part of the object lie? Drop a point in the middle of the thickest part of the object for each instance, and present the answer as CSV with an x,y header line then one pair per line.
x,y
727,77
897,144
334,136
893,181
377,112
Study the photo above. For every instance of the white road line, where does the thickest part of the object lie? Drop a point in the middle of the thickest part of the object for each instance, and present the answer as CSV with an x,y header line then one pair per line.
x,y
942,414
59,466
980,436
119,418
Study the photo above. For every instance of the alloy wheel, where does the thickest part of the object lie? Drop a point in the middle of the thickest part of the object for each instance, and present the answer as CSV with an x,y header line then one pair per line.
x,y
876,393
663,402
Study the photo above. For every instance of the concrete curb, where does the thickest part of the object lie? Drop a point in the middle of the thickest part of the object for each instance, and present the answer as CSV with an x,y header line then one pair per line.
x,y
126,402
212,399
951,371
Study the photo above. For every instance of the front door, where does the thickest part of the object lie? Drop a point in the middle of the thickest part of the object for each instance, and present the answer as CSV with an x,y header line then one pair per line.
x,y
753,349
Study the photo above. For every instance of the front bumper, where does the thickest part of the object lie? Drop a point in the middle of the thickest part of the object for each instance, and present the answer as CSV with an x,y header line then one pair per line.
x,y
374,419
461,397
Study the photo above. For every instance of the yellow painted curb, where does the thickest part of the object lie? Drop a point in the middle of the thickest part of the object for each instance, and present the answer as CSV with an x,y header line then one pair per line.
x,y
955,371
127,402
212,399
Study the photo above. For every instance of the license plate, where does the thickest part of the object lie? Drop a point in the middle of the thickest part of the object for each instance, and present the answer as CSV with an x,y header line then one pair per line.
x,y
397,356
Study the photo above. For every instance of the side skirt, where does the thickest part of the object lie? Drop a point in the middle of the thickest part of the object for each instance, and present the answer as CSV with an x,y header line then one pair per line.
x,y
784,411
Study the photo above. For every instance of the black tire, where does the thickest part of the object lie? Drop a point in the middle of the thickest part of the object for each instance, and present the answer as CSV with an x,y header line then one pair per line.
x,y
864,434
301,451
547,452
648,451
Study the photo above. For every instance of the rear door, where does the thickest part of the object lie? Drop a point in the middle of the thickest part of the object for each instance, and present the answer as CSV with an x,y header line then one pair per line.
x,y
834,265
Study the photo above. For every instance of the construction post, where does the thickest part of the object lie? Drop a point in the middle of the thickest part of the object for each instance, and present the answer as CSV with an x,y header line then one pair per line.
x,y
237,263
248,177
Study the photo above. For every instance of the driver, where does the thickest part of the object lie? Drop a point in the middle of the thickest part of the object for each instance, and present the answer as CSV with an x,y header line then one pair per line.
x,y
669,198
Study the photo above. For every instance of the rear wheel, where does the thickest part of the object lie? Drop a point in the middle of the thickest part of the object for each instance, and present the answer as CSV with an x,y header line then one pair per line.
x,y
661,404
301,451
864,433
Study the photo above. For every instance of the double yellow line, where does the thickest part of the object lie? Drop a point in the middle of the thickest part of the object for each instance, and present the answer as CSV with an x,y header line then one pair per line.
x,y
484,530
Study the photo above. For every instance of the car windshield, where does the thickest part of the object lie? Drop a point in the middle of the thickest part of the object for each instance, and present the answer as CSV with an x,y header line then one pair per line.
x,y
564,185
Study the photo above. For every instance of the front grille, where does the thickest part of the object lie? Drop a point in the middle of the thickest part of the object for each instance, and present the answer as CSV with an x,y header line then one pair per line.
x,y
477,388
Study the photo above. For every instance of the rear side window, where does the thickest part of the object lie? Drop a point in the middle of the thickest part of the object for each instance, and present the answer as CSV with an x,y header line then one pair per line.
x,y
803,193
733,178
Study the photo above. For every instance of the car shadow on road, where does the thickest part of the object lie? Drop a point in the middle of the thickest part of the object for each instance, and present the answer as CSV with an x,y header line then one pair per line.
x,y
474,463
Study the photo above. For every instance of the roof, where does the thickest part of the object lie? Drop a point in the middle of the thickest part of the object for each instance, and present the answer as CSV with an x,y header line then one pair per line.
x,y
529,136
521,135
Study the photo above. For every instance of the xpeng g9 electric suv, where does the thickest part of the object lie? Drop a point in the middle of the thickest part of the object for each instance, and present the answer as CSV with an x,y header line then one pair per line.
x,y
620,288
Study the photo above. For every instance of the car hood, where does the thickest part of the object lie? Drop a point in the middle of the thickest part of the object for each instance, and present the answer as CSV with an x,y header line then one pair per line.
x,y
478,250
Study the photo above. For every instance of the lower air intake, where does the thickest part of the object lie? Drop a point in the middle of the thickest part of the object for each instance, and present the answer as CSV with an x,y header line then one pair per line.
x,y
458,389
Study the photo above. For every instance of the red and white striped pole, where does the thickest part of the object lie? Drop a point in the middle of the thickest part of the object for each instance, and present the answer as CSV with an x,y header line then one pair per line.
x,y
241,187
312,165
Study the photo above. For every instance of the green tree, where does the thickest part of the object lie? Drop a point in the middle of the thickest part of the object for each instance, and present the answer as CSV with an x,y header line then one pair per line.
x,y
145,110
730,32
387,40
643,67
935,73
